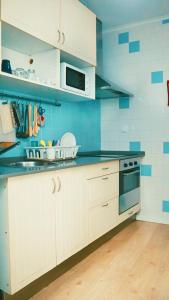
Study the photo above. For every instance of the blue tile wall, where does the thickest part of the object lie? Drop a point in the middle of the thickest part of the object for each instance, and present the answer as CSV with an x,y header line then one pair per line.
x,y
134,46
82,119
157,77
134,146
165,21
124,102
165,206
146,170
166,147
123,38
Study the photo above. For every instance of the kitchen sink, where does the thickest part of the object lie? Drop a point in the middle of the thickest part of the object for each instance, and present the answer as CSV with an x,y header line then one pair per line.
x,y
28,164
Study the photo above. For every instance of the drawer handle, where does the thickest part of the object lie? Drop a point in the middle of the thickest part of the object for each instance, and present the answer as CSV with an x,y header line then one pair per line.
x,y
105,178
104,205
130,213
54,186
106,168
59,184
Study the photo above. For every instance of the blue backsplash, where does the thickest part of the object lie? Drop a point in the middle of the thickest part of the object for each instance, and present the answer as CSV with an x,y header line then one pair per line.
x,y
82,119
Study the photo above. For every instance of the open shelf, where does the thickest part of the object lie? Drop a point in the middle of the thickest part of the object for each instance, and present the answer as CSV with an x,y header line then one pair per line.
x,y
10,84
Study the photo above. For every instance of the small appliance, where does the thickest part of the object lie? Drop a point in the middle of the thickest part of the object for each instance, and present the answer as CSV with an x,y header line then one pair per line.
x,y
74,79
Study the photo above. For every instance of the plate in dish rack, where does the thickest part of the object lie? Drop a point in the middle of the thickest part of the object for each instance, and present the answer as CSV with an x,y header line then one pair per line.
x,y
68,140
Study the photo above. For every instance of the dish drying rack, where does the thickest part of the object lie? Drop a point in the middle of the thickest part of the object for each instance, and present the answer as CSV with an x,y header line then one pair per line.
x,y
61,153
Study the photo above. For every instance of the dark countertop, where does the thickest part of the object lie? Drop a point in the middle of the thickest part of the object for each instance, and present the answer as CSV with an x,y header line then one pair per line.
x,y
84,158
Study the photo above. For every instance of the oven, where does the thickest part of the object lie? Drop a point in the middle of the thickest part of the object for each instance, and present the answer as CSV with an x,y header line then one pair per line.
x,y
129,184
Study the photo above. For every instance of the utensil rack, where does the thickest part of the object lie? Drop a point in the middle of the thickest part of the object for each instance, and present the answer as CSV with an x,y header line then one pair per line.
x,y
28,99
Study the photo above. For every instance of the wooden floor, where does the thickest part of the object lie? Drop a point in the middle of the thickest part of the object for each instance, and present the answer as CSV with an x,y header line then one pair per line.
x,y
133,265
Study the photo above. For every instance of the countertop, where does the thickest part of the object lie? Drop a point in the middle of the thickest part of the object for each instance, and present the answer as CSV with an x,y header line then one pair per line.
x,y
83,158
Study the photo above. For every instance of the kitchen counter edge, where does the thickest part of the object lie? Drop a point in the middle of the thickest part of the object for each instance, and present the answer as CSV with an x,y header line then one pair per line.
x,y
80,161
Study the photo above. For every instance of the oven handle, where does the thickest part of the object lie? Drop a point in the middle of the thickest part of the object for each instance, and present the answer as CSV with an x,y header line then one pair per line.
x,y
131,173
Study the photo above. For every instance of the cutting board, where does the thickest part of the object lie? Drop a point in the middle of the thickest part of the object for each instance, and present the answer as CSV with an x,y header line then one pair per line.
x,y
6,125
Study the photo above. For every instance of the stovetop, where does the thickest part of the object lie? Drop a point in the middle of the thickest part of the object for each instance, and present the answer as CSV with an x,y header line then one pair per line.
x,y
112,154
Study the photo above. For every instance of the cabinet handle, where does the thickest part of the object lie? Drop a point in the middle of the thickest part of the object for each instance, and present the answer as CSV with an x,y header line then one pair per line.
x,y
64,38
130,213
59,36
59,184
54,186
104,205
105,178
106,168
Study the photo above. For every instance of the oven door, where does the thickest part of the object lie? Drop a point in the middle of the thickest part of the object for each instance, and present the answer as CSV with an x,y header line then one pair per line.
x,y
129,189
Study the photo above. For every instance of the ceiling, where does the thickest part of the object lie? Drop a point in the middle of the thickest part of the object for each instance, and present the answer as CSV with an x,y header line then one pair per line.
x,y
121,12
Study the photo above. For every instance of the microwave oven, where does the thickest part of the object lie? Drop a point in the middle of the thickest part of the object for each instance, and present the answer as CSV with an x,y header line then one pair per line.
x,y
74,79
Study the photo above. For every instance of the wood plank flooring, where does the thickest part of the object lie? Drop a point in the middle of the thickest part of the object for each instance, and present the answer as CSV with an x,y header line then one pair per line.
x,y
133,265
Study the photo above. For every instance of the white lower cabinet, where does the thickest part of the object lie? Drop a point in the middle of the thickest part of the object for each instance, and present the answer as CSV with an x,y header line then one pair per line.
x,y
48,217
28,247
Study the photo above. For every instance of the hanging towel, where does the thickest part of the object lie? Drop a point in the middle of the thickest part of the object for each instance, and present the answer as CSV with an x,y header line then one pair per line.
x,y
6,119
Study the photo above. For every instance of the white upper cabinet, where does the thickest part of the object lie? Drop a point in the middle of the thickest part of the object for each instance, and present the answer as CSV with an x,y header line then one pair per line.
x,y
64,24
78,30
36,17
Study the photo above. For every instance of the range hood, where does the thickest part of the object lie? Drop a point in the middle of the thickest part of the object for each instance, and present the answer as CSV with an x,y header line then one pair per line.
x,y
108,90
105,89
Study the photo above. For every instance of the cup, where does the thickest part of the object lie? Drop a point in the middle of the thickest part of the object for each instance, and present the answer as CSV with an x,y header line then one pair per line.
x,y
6,66
34,143
51,153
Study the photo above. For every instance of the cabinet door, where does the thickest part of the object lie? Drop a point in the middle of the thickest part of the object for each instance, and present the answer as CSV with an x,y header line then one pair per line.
x,y
71,214
78,26
31,213
102,219
36,17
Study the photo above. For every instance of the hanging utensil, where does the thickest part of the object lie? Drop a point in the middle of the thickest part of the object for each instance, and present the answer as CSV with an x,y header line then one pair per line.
x,y
35,127
23,133
19,132
30,119
26,130
41,118
14,109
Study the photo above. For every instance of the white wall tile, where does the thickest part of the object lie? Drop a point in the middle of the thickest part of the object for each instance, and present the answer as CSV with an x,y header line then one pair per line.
x,y
147,119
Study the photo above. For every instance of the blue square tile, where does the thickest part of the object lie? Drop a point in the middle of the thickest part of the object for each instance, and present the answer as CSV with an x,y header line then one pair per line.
x,y
134,46
165,21
123,38
157,77
146,170
135,146
165,205
124,102
166,147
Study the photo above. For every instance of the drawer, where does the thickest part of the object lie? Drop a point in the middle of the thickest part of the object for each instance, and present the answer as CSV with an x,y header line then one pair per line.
x,y
127,214
101,169
102,219
102,189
